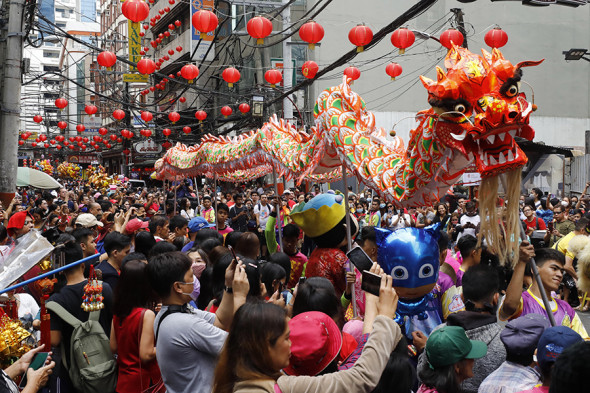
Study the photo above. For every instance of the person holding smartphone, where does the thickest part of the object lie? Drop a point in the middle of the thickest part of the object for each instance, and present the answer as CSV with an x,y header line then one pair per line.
x,y
36,378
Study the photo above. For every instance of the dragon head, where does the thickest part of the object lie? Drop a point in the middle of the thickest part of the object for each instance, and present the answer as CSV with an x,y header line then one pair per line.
x,y
480,108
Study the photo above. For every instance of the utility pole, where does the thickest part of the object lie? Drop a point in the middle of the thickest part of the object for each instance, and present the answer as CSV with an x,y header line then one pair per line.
x,y
460,24
287,62
10,98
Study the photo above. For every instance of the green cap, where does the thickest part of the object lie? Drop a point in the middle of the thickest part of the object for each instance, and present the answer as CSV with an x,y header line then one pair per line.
x,y
450,344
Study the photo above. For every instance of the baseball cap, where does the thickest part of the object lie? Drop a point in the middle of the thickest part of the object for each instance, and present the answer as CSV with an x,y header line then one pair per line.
x,y
17,221
553,342
198,223
88,220
315,343
449,344
134,225
521,335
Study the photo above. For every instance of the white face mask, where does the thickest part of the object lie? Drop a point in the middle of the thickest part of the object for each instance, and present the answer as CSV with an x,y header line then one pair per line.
x,y
564,203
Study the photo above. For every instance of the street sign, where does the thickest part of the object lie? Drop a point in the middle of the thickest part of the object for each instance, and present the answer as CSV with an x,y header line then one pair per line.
x,y
134,55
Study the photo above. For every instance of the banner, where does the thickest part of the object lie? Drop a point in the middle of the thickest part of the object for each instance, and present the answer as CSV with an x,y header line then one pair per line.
x,y
134,55
207,42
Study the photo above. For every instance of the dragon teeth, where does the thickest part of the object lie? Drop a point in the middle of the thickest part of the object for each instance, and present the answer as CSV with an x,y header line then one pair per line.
x,y
502,159
510,155
512,133
493,161
491,139
502,136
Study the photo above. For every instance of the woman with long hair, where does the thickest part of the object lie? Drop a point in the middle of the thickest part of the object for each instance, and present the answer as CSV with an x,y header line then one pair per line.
x,y
186,209
132,332
258,347
442,215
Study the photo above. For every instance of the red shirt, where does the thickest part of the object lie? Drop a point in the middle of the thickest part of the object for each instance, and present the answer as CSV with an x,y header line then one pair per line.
x,y
328,263
533,224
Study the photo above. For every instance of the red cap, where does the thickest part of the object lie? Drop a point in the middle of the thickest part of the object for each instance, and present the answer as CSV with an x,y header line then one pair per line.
x,y
135,225
17,221
315,343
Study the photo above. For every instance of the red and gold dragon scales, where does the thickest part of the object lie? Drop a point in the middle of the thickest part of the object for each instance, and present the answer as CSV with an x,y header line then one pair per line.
x,y
477,109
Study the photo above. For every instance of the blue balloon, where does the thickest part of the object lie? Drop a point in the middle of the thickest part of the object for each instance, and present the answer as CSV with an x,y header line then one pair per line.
x,y
409,255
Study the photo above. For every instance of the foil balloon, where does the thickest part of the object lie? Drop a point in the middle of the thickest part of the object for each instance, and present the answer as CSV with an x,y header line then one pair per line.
x,y
411,257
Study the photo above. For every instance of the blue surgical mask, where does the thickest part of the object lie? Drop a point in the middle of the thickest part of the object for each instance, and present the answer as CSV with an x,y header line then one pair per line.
x,y
382,206
359,210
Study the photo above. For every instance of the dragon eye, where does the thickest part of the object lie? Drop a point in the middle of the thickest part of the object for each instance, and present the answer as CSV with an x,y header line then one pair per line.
x,y
460,108
426,271
399,273
512,91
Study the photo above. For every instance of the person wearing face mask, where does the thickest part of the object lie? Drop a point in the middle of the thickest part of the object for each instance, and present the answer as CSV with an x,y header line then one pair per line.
x,y
374,219
132,333
360,214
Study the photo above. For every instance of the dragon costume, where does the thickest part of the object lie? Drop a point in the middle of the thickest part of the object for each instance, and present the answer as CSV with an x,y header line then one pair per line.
x,y
477,110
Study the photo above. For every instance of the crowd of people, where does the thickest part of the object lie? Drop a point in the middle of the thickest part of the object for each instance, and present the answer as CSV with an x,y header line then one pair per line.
x,y
205,290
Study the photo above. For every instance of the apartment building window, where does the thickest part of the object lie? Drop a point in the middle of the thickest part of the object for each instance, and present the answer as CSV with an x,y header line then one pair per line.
x,y
50,54
47,68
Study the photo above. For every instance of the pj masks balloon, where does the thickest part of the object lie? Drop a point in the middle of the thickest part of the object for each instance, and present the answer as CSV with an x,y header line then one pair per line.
x,y
411,257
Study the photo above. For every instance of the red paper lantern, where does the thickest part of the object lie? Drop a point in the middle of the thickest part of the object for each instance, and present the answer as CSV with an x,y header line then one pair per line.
x,y
259,27
204,21
146,66
173,117
244,108
62,125
171,26
496,38
113,137
34,144
78,138
135,10
231,76
451,35
106,59
147,133
60,138
61,103
309,69
72,139
80,128
37,118
182,100
85,140
226,111
186,129
119,114
46,145
146,116
273,77
108,146
360,36
167,132
189,72
312,33
119,140
42,137
125,133
352,72
90,109
66,143
21,142
103,131
25,136
402,38
393,70
178,49
58,147
201,115
177,23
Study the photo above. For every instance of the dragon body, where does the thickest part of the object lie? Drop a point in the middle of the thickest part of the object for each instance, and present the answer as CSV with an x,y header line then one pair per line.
x,y
476,111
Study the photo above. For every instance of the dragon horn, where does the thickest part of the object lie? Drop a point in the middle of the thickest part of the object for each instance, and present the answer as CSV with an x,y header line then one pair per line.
x,y
529,63
453,56
427,82
496,55
487,56
440,74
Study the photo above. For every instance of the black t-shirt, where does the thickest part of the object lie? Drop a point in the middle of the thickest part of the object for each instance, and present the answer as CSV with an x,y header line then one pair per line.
x,y
70,298
241,223
110,275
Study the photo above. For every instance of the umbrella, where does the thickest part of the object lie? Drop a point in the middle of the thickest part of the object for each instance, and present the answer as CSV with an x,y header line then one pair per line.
x,y
34,178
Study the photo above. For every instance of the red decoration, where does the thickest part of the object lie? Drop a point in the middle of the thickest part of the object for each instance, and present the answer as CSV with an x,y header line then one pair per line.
x,y
58,147
231,76
21,142
125,133
85,140
170,52
496,38
78,138
171,26
62,125
146,66
167,145
352,72
273,77
119,140
167,132
182,100
244,108
147,133
451,35
186,129
402,39
201,115
135,10
42,137
177,23
90,109
34,144
393,70
312,33
226,111
259,27
146,116
189,72
126,152
37,118
173,117
360,36
178,49
119,114
309,69
103,131
113,137
204,21
46,145
60,138
61,103
106,59
80,128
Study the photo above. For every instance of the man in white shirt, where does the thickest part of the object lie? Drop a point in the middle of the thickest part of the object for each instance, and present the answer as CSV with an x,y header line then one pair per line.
x,y
469,221
262,211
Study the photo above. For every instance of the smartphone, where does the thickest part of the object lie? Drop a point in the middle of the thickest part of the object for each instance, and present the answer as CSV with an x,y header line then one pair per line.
x,y
38,362
371,282
233,253
550,226
360,259
301,280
